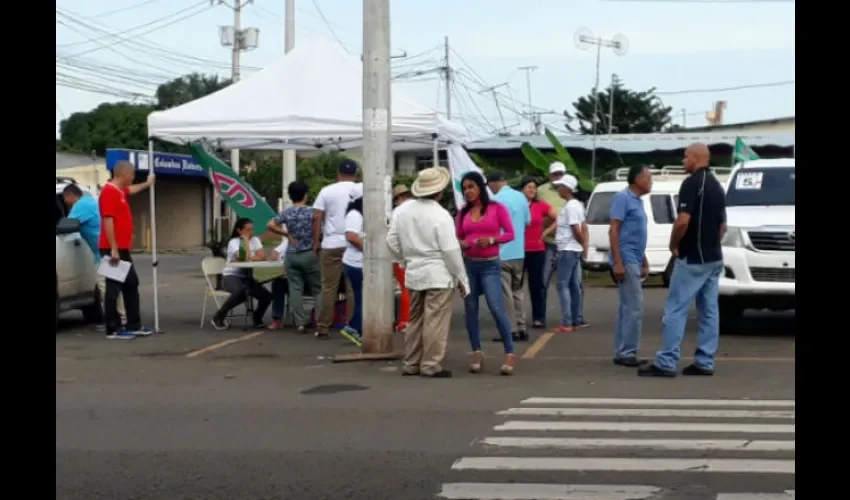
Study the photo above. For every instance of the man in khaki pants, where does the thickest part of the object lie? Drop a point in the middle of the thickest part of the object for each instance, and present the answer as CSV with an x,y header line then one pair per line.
x,y
423,238
329,243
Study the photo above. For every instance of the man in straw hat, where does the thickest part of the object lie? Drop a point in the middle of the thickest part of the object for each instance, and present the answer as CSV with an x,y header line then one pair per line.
x,y
401,199
423,237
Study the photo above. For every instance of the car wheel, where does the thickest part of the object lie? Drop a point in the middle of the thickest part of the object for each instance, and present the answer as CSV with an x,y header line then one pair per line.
x,y
93,313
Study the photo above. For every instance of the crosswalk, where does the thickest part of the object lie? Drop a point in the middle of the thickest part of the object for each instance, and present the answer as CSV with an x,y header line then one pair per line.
x,y
632,449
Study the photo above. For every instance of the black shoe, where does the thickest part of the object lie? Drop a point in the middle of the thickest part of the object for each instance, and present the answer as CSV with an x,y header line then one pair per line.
x,y
630,362
522,336
650,370
440,374
409,374
220,324
693,369
538,325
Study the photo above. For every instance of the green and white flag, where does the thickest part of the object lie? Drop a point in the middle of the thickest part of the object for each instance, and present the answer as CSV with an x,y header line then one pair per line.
x,y
743,152
238,194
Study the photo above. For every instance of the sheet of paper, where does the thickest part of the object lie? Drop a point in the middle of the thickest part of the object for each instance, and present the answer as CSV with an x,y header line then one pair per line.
x,y
118,272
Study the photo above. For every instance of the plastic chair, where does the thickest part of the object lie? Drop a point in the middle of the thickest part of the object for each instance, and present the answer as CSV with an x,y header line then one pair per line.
x,y
211,267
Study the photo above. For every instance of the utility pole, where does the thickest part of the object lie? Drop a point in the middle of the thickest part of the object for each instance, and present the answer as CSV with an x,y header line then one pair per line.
x,y
684,118
611,105
528,70
448,70
496,99
378,310
289,161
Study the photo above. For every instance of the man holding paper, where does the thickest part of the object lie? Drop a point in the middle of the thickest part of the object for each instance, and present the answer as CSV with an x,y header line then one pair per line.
x,y
116,241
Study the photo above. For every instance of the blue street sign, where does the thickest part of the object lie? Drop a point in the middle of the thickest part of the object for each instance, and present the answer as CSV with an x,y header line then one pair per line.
x,y
164,163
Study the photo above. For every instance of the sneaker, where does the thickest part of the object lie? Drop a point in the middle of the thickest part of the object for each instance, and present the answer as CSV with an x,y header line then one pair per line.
x,y
276,325
582,324
695,370
650,370
352,335
121,335
322,335
142,332
220,324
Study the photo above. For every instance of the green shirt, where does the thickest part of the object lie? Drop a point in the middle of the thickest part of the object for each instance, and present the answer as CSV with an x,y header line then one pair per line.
x,y
550,195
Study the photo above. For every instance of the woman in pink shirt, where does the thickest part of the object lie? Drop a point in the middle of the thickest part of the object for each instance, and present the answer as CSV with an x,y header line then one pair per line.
x,y
482,225
535,250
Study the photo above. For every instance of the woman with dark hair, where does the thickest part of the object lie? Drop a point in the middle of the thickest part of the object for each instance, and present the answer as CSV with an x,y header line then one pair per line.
x,y
352,263
239,282
535,249
482,225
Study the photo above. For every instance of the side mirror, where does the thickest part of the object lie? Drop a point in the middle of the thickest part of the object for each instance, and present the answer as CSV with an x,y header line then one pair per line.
x,y
67,226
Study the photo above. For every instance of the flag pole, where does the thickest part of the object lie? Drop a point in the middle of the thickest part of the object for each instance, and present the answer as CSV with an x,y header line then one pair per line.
x,y
153,240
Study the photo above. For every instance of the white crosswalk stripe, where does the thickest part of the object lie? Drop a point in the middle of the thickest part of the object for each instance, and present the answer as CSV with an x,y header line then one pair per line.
x,y
634,448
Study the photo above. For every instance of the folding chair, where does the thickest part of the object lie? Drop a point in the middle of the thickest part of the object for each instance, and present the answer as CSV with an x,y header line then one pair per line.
x,y
212,267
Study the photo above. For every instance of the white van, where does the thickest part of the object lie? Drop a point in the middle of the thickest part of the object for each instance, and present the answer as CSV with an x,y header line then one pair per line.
x,y
660,206
760,243
76,273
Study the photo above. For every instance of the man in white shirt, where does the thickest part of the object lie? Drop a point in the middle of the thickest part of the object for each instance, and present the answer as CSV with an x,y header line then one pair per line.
x,y
401,200
423,237
570,240
329,243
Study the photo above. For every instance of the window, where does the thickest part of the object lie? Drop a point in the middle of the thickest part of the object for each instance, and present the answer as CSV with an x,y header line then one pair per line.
x,y
599,210
59,210
662,208
762,187
428,161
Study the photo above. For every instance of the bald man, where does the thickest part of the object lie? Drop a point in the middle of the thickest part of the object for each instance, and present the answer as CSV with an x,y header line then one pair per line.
x,y
695,242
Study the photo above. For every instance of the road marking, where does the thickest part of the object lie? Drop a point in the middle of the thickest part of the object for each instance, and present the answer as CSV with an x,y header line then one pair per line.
x,y
660,402
537,346
751,359
718,465
646,412
788,495
655,444
210,348
514,491
522,425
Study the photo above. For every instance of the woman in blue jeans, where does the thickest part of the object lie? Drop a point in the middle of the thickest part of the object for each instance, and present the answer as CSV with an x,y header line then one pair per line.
x,y
352,264
570,242
482,225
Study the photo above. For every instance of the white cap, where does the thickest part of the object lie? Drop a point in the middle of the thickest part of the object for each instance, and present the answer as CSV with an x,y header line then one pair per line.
x,y
356,192
567,181
556,167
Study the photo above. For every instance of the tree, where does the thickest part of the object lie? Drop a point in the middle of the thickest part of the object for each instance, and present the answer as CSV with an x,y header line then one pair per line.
x,y
635,112
187,88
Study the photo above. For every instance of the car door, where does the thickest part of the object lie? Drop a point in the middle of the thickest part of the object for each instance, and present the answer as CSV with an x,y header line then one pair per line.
x,y
66,258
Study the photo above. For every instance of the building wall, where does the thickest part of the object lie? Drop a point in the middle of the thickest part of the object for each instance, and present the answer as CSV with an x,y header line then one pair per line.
x,y
94,176
182,215
765,128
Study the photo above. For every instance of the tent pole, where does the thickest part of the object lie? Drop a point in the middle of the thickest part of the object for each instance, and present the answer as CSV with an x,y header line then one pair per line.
x,y
153,241
435,149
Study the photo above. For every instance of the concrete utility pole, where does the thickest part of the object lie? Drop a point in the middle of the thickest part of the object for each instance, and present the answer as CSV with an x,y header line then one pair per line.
x,y
378,310
611,105
498,106
448,82
289,160
528,70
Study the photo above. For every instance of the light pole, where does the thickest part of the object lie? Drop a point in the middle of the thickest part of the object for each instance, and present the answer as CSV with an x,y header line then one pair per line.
x,y
528,70
584,39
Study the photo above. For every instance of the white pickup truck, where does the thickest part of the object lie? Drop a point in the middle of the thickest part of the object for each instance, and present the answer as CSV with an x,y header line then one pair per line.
x,y
759,246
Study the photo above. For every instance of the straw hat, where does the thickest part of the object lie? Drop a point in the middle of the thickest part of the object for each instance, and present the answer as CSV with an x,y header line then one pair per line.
x,y
431,180
400,190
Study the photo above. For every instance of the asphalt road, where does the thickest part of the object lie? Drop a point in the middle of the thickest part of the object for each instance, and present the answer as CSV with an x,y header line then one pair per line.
x,y
188,414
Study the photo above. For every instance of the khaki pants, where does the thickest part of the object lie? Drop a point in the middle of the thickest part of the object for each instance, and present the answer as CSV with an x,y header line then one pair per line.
x,y
101,286
512,292
330,262
428,330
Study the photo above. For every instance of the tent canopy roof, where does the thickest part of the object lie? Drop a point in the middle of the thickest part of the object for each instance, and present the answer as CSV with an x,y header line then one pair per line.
x,y
309,98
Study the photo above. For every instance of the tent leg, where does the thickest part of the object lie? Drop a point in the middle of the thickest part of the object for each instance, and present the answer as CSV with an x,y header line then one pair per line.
x,y
435,150
153,243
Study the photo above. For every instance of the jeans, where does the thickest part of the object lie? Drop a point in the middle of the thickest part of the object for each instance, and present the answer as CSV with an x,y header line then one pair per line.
x,y
569,287
691,282
129,290
240,287
355,276
280,288
485,276
534,263
629,323
549,263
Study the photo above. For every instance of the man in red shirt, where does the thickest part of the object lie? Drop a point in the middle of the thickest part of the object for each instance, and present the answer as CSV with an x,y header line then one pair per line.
x,y
116,241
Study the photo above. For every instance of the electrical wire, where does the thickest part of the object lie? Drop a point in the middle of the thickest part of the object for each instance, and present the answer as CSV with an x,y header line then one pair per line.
x,y
330,28
125,9
728,89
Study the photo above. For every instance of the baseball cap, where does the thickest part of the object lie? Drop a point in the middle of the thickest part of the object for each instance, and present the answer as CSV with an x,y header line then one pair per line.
x,y
495,176
556,167
567,181
348,167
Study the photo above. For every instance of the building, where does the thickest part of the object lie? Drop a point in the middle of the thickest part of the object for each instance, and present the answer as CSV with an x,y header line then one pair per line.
x,y
782,125
86,170
409,158
184,200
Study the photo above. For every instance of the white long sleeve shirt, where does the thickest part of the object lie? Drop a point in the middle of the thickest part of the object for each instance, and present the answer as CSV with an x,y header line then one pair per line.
x,y
422,236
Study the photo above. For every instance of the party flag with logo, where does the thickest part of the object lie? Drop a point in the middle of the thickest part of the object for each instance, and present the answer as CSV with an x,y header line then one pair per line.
x,y
743,152
240,196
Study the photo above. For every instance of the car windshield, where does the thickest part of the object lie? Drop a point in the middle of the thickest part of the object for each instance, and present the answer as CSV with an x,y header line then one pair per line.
x,y
600,207
762,187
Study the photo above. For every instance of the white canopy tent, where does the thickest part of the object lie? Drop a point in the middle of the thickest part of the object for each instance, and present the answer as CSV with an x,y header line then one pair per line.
x,y
310,98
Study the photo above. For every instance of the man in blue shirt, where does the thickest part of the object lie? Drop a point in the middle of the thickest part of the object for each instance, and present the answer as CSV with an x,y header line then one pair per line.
x,y
512,254
84,208
628,263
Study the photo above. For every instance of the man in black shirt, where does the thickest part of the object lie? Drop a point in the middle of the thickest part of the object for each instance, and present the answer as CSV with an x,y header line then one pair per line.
x,y
695,242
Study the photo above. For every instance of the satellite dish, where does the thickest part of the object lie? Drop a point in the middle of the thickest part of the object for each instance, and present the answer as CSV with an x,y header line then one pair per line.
x,y
621,44
582,38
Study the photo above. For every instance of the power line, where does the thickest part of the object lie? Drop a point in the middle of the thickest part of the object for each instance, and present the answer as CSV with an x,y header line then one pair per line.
x,y
330,28
728,89
125,9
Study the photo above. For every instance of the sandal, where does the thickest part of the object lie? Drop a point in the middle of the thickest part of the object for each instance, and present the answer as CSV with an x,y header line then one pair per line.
x,y
507,367
477,362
